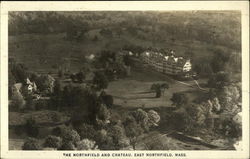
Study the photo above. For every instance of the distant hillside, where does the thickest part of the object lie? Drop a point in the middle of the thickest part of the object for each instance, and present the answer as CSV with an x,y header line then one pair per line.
x,y
221,28
46,38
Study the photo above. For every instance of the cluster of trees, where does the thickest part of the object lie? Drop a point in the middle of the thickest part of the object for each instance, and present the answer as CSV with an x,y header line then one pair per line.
x,y
113,135
219,80
62,138
114,65
214,113
221,60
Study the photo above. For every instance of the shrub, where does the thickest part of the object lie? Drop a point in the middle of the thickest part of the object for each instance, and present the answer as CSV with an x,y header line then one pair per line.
x,y
31,144
53,141
31,128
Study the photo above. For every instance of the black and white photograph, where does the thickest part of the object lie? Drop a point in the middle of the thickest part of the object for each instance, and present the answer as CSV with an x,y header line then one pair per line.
x,y
96,80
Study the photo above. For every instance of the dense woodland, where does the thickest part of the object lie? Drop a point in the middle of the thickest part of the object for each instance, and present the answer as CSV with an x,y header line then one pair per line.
x,y
220,28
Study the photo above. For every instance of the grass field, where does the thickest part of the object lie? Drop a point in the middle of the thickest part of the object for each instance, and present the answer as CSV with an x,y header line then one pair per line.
x,y
134,91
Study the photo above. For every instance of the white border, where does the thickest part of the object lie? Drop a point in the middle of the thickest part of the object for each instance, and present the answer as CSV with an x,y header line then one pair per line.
x,y
243,6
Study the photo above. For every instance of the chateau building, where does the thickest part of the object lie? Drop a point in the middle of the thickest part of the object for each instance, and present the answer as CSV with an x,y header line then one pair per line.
x,y
166,64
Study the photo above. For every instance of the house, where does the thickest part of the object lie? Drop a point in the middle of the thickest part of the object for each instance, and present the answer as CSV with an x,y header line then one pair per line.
x,y
171,64
30,86
90,57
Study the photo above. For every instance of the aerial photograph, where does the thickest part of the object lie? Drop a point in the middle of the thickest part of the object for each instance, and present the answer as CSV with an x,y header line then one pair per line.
x,y
124,80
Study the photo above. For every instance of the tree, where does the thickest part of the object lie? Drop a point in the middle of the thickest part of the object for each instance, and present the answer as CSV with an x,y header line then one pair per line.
x,y
106,99
154,118
117,136
45,83
86,144
87,131
104,140
53,141
219,60
198,114
219,80
157,89
133,130
70,135
31,144
158,143
229,97
203,68
164,86
103,113
100,81
19,72
31,127
80,76
182,121
18,102
141,118
127,60
179,99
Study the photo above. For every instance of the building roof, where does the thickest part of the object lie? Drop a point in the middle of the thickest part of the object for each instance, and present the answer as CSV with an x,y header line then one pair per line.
x,y
18,86
179,61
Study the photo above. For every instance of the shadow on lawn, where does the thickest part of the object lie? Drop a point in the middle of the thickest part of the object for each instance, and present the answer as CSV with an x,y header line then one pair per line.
x,y
145,92
133,98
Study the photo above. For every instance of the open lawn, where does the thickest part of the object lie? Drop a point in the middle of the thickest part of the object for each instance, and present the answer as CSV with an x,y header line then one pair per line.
x,y
134,91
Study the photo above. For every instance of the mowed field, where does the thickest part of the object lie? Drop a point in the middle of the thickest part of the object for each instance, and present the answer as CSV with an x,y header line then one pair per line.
x,y
134,91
